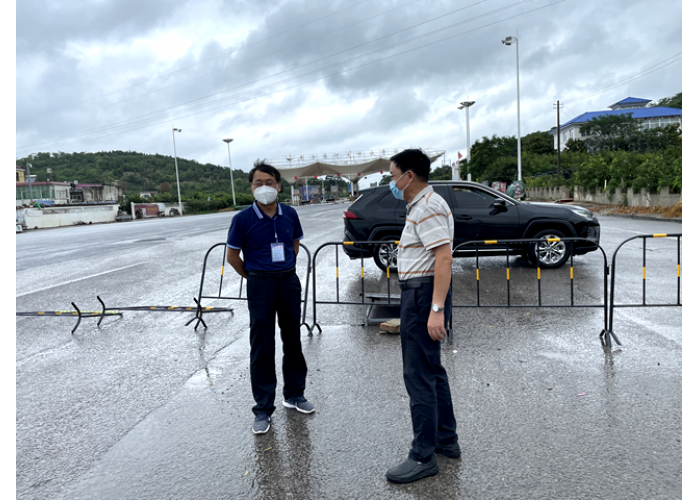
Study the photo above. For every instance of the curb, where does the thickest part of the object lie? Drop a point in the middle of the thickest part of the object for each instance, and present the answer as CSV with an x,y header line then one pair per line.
x,y
677,220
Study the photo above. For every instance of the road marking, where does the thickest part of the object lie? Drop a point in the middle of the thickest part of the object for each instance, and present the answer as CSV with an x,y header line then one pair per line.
x,y
76,280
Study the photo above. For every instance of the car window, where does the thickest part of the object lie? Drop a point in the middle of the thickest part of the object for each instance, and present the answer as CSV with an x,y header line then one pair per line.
x,y
468,197
444,192
388,201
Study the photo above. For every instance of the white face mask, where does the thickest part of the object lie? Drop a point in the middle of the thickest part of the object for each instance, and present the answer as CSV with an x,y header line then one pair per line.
x,y
265,194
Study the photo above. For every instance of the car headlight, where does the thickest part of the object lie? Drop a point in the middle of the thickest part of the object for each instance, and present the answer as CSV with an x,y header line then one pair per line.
x,y
586,214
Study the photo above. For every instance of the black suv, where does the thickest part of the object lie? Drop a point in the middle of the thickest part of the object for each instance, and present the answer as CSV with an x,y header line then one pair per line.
x,y
480,213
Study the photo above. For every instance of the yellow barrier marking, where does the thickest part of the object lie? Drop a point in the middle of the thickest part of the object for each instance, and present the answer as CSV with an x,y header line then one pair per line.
x,y
507,273
337,273
397,242
348,243
660,235
387,272
59,312
572,273
538,273
644,273
679,270
41,313
172,307
153,307
362,272
477,274
553,239
74,314
222,270
490,242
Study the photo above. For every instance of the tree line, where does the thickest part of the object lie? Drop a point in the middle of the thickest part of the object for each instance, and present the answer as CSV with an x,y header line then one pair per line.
x,y
615,151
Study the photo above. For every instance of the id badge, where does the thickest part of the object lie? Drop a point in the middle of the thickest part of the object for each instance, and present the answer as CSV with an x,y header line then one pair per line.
x,y
277,252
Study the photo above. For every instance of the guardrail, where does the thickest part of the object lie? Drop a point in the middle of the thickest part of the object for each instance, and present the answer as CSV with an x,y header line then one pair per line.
x,y
201,295
644,238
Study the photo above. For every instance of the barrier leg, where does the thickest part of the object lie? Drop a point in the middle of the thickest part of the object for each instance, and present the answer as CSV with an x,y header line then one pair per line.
x,y
79,317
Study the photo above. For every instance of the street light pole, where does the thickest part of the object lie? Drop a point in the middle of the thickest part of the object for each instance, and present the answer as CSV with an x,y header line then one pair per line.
x,y
509,40
466,105
233,189
177,175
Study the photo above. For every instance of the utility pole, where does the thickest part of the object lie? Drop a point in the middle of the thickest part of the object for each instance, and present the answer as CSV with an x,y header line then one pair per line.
x,y
558,143
29,181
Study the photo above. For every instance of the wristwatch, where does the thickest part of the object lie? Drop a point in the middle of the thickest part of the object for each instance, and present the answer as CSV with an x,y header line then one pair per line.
x,y
437,308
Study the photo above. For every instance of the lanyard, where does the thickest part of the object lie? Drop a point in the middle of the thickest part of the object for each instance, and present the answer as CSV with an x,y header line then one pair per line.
x,y
274,225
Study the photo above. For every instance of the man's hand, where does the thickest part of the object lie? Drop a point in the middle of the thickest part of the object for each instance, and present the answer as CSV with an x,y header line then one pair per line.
x,y
436,325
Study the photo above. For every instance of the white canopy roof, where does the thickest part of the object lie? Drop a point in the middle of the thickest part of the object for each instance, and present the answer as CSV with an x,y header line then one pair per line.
x,y
353,171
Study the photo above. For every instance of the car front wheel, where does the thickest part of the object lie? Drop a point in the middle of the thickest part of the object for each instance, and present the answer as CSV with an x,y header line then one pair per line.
x,y
549,254
386,254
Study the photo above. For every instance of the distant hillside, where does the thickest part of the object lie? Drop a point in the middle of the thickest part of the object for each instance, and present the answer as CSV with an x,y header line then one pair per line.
x,y
136,172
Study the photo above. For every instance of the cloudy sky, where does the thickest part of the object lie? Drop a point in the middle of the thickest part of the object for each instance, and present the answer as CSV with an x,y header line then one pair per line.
x,y
300,77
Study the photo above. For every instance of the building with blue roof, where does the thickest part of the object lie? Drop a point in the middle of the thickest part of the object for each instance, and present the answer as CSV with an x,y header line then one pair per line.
x,y
649,117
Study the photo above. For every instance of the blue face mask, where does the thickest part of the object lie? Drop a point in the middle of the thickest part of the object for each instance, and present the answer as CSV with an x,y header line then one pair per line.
x,y
398,193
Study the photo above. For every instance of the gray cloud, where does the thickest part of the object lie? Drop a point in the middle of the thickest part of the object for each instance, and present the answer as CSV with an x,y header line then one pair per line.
x,y
252,85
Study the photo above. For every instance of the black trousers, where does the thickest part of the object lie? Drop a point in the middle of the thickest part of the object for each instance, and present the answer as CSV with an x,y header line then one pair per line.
x,y
267,297
425,378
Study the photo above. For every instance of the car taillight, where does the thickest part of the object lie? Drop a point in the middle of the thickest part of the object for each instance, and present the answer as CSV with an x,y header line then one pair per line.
x,y
349,215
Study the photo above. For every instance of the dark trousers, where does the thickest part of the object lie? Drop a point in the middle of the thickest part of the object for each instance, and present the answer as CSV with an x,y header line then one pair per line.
x,y
425,378
267,297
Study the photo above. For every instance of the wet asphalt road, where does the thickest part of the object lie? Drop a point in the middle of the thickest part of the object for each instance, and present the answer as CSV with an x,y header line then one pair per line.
x,y
145,407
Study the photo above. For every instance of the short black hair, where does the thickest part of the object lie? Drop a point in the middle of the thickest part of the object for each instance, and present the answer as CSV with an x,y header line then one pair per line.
x,y
265,168
415,160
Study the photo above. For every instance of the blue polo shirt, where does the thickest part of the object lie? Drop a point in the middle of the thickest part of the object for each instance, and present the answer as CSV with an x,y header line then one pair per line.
x,y
253,232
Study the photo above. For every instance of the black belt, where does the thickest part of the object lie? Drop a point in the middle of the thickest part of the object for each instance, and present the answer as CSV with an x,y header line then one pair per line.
x,y
285,273
415,282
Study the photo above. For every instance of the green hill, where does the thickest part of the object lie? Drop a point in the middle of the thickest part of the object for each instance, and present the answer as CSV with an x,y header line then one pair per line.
x,y
135,172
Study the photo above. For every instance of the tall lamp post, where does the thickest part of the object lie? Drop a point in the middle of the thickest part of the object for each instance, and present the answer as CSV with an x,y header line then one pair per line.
x,y
177,175
510,40
233,189
466,105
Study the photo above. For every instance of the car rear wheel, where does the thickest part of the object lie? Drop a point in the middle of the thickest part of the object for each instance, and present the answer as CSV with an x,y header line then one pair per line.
x,y
549,254
386,254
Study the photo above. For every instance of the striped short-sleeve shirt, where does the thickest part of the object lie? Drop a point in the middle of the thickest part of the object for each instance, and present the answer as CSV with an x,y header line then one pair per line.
x,y
429,224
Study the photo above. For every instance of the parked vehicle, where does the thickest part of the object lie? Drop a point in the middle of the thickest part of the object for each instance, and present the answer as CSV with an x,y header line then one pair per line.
x,y
480,213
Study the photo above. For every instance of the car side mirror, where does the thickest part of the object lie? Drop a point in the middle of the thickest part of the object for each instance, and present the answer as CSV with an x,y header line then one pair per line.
x,y
498,205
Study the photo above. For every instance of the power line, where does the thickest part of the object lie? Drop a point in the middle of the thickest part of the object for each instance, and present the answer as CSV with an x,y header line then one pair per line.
x,y
217,56
139,119
125,127
648,71
263,55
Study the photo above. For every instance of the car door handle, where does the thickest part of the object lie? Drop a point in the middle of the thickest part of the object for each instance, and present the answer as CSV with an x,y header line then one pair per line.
x,y
464,217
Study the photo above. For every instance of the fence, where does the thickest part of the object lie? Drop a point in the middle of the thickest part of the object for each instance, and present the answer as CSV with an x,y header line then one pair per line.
x,y
198,315
644,238
371,300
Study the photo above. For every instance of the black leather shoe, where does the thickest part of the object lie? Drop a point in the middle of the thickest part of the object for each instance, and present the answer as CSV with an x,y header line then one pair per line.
x,y
410,471
449,450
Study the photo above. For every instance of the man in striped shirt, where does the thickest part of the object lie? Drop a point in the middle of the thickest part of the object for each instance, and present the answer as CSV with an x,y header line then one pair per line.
x,y
425,277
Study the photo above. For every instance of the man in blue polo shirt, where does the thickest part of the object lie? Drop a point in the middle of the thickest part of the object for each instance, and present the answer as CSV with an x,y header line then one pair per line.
x,y
268,234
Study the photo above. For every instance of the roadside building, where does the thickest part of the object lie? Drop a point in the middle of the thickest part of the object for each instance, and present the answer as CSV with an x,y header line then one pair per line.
x,y
61,193
649,117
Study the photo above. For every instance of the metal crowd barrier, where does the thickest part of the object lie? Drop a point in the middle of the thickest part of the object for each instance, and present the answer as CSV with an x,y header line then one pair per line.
x,y
570,243
369,300
200,309
644,238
